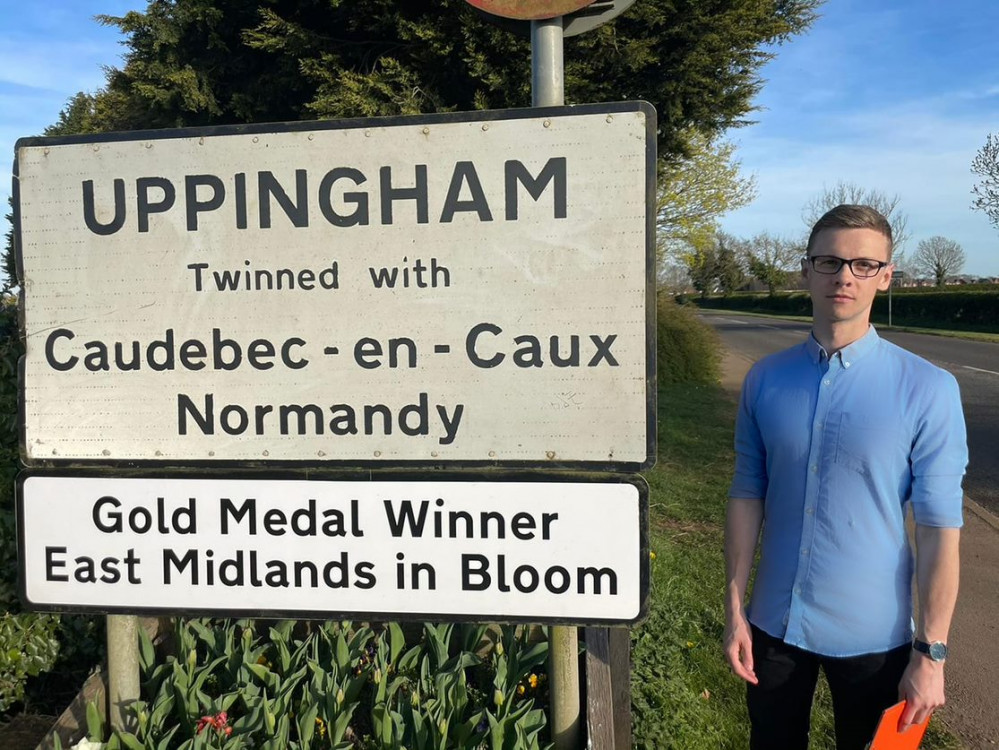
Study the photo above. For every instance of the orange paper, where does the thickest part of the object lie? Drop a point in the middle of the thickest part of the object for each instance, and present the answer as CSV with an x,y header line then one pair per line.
x,y
887,736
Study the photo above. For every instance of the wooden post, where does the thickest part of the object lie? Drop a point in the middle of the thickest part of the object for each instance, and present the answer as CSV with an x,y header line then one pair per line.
x,y
608,688
599,692
620,662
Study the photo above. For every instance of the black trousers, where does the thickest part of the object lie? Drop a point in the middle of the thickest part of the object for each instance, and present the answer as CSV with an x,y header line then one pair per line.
x,y
780,706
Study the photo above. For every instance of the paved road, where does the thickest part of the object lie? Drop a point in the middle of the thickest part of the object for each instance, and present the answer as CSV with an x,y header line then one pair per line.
x,y
975,365
972,687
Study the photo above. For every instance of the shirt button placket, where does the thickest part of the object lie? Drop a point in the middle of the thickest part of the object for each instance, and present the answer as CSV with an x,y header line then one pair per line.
x,y
794,630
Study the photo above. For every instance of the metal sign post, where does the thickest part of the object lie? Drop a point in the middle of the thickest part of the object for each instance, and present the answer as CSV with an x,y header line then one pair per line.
x,y
548,90
895,279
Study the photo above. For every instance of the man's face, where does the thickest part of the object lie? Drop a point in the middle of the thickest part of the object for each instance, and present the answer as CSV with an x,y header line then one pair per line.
x,y
842,296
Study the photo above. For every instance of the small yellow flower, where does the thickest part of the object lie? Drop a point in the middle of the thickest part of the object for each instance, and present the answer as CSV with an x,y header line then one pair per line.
x,y
533,681
520,689
652,555
320,727
690,644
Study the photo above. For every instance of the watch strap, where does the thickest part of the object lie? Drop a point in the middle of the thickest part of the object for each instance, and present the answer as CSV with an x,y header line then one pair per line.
x,y
937,650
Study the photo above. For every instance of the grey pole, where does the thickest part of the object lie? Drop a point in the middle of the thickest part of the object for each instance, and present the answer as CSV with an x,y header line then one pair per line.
x,y
548,90
547,68
123,669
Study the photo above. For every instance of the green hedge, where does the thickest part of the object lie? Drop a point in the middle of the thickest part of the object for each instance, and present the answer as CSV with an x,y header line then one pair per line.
x,y
43,657
687,350
963,310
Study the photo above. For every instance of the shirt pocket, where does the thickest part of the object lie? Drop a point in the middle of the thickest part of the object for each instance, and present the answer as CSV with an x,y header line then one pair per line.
x,y
864,443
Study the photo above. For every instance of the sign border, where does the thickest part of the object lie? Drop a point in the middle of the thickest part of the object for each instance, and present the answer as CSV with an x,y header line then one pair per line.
x,y
651,385
636,481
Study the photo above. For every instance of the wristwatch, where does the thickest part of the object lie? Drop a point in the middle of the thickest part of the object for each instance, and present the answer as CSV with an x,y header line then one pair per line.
x,y
937,650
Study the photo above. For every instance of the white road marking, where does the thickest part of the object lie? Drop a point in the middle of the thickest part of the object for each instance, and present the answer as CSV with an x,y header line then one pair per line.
x,y
746,323
979,369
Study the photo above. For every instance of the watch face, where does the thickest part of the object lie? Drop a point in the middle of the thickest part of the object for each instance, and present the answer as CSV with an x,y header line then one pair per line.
x,y
938,651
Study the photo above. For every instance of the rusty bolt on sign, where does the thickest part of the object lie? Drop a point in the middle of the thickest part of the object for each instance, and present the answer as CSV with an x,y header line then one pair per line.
x,y
529,10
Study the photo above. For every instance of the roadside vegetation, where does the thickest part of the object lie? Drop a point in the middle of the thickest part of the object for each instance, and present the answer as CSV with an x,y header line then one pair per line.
x,y
970,309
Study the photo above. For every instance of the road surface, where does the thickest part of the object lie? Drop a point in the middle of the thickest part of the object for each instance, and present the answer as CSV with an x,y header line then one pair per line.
x,y
975,364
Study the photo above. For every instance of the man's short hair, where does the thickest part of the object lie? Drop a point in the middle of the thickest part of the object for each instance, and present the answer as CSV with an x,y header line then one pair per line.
x,y
850,216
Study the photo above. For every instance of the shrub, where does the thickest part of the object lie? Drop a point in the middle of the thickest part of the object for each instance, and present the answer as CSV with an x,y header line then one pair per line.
x,y
30,644
687,350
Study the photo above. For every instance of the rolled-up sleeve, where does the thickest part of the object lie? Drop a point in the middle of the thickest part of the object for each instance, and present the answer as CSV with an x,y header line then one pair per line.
x,y
939,458
750,479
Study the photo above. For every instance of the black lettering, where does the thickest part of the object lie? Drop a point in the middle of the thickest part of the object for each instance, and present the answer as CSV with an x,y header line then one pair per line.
x,y
297,211
171,560
144,206
358,199
475,573
229,510
194,206
51,564
90,213
205,421
472,339
554,170
603,346
111,522
62,366
464,173
418,193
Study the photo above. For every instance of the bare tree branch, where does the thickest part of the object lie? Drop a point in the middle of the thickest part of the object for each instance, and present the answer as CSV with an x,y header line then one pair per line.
x,y
939,258
986,165
849,192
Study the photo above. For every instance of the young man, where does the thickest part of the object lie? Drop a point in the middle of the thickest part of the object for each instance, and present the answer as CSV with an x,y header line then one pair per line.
x,y
835,439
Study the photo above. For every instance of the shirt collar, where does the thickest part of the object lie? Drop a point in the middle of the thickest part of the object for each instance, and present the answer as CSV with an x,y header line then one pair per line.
x,y
848,354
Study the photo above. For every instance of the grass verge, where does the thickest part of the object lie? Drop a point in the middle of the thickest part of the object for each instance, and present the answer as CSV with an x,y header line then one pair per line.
x,y
683,695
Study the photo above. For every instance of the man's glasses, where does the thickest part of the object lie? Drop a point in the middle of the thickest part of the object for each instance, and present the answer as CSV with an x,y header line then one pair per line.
x,y
862,268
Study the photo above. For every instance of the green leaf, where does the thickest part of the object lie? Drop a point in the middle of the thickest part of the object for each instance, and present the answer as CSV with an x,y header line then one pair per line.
x,y
307,723
95,723
129,741
397,641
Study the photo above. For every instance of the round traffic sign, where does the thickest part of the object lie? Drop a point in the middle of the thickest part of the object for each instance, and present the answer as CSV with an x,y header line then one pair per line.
x,y
529,10
585,19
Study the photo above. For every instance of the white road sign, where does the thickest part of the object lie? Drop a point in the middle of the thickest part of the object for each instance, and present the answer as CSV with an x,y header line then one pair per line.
x,y
474,550
472,289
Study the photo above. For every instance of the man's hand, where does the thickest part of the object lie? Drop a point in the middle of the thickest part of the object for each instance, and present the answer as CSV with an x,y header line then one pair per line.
x,y
922,688
739,646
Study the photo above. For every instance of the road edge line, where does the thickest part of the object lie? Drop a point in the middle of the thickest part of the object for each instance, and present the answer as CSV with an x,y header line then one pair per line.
x,y
982,513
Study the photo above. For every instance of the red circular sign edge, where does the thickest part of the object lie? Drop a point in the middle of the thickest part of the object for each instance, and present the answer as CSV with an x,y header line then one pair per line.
x,y
529,10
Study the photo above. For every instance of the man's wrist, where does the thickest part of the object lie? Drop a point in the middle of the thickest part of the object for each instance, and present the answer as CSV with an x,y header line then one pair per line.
x,y
935,651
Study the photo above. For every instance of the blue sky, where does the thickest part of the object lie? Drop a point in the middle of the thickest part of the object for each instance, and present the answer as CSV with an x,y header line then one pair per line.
x,y
895,95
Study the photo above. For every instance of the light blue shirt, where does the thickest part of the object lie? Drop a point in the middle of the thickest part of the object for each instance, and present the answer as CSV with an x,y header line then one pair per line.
x,y
836,448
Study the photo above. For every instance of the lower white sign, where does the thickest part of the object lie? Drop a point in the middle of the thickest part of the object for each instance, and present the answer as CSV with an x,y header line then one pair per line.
x,y
452,550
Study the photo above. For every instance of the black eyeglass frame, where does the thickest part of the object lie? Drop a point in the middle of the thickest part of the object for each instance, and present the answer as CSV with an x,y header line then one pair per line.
x,y
810,259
